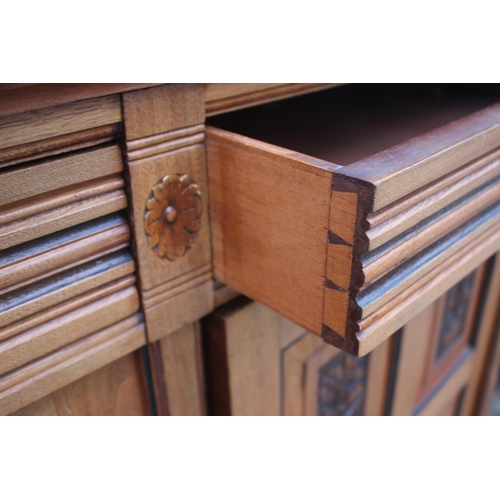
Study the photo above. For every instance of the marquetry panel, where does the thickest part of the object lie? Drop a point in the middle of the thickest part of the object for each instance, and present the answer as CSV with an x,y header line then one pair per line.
x,y
169,204
341,385
259,363
453,318
443,350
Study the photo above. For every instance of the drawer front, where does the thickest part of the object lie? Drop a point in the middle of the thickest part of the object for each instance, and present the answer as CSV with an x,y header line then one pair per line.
x,y
69,303
352,253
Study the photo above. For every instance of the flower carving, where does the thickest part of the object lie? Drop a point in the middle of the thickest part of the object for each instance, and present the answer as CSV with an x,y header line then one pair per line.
x,y
172,217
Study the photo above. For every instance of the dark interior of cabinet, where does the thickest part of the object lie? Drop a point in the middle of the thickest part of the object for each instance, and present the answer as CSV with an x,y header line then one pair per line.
x,y
348,123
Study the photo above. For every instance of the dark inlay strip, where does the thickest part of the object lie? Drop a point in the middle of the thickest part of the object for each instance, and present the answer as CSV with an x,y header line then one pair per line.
x,y
403,272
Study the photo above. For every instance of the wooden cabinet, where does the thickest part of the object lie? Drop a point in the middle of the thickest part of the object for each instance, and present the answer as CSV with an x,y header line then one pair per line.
x,y
351,210
259,363
129,213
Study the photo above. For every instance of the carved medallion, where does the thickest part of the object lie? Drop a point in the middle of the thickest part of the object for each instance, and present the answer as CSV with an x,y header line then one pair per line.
x,y
341,386
172,217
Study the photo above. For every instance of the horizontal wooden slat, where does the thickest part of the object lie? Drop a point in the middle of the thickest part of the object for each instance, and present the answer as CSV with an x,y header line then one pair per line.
x,y
41,377
403,169
64,286
65,329
58,145
383,290
385,321
224,97
28,97
25,182
60,218
43,257
402,249
42,124
407,212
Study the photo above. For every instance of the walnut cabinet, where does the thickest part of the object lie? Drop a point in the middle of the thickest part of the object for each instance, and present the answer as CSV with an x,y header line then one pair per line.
x,y
249,249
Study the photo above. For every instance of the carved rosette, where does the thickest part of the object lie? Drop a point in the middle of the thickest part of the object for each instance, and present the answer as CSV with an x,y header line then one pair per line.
x,y
172,217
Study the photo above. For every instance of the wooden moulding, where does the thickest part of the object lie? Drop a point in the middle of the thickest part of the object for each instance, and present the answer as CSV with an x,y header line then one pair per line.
x,y
224,97
352,253
43,376
60,251
42,124
62,287
115,302
42,198
165,136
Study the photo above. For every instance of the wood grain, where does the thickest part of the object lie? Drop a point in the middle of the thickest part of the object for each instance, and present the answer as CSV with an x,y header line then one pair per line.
x,y
164,137
293,377
60,218
269,211
395,314
117,389
58,145
33,299
449,388
51,335
143,176
405,168
61,251
25,182
392,218
41,124
224,97
30,97
44,376
243,349
167,107
484,347
183,371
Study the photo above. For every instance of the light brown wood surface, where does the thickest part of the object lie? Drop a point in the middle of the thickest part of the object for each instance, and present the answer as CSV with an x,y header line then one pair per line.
x,y
261,200
66,328
183,372
46,123
19,98
162,109
259,363
42,377
243,353
72,293
402,226
164,135
224,97
478,394
117,389
25,182
56,253
155,271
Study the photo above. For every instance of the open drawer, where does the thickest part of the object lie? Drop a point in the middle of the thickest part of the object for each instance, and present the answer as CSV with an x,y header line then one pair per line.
x,y
350,210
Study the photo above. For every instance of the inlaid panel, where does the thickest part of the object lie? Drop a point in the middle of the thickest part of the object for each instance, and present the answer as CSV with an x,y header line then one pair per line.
x,y
341,385
453,323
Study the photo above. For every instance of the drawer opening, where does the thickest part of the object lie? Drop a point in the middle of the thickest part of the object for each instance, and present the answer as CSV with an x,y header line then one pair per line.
x,y
350,210
346,124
